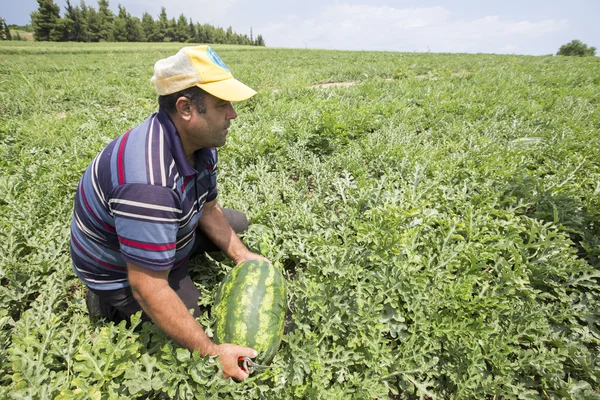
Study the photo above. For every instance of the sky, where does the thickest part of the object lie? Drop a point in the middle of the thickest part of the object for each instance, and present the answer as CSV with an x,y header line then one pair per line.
x,y
531,27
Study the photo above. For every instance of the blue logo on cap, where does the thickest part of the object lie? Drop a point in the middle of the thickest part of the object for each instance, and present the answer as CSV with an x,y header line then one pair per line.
x,y
216,59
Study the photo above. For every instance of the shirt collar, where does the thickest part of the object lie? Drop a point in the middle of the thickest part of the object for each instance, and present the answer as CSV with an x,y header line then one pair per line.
x,y
175,144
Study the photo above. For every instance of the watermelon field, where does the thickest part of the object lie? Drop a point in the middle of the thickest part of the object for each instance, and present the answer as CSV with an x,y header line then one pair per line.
x,y
436,218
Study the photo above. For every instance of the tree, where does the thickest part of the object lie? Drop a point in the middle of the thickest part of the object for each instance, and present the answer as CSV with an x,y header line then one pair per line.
x,y
93,23
576,48
246,40
218,35
84,24
229,36
201,34
120,27
192,31
75,24
163,25
150,28
61,31
182,31
128,28
106,20
135,32
259,41
4,30
45,19
171,32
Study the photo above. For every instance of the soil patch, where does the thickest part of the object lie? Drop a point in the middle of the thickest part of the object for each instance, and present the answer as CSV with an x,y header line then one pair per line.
x,y
332,84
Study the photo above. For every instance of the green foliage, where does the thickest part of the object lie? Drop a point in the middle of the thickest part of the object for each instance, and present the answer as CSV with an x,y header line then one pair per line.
x,y
576,48
85,24
76,28
4,30
437,220
24,28
45,21
106,19
259,41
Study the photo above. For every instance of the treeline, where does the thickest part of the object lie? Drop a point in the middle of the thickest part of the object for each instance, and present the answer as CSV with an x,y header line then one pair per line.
x,y
86,24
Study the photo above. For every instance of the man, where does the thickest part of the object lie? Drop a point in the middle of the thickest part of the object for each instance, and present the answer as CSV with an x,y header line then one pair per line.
x,y
148,201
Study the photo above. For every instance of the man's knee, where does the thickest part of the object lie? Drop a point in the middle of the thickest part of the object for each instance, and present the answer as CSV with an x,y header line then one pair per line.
x,y
237,220
114,305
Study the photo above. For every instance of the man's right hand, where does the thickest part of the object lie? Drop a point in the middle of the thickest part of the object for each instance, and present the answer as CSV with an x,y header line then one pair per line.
x,y
151,289
229,355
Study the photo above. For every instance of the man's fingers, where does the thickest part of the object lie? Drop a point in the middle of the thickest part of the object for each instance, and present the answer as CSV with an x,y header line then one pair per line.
x,y
240,376
229,356
247,352
251,256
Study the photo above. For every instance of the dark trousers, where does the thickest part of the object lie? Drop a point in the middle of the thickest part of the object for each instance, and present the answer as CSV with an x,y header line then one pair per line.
x,y
118,305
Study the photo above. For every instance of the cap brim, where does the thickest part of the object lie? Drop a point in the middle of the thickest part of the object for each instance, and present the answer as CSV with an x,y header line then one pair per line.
x,y
229,89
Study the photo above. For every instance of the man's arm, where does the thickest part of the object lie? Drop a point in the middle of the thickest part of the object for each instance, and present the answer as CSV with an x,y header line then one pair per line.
x,y
214,225
151,289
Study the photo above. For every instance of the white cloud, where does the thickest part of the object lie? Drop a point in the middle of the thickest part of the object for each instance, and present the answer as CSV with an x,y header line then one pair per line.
x,y
355,26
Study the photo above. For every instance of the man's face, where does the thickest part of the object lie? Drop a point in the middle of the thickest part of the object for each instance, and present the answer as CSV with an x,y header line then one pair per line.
x,y
210,129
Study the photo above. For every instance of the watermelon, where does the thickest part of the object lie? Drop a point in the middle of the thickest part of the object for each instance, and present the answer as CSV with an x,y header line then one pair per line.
x,y
250,308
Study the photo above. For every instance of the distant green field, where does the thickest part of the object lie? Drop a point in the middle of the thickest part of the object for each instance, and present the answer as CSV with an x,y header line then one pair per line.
x,y
437,217
18,34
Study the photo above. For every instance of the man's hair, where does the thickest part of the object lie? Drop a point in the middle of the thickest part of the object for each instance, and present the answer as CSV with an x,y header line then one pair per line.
x,y
194,93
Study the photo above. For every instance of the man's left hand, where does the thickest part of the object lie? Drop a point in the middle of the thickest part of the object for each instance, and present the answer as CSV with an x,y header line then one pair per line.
x,y
250,256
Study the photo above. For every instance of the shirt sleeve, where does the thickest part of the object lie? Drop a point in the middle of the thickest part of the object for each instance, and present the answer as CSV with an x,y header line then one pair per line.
x,y
146,219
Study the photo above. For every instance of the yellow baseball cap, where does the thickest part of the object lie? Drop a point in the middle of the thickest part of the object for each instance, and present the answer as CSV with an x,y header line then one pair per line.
x,y
198,66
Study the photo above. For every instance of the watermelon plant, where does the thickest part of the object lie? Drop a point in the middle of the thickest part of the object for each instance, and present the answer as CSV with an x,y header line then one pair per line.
x,y
436,224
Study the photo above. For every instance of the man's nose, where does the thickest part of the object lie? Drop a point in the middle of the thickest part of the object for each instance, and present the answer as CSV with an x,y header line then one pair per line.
x,y
232,114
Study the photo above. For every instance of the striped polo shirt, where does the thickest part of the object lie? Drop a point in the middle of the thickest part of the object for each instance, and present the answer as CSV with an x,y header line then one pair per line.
x,y
139,201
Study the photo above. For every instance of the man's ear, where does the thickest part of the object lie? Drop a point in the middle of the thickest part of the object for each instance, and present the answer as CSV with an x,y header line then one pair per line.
x,y
184,107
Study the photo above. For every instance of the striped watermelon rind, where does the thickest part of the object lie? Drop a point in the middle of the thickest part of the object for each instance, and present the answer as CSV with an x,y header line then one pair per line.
x,y
250,308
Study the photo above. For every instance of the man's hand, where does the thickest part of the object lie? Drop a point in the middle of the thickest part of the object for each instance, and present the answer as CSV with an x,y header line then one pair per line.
x,y
151,289
248,256
229,355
